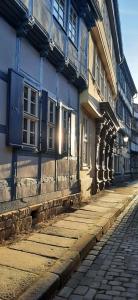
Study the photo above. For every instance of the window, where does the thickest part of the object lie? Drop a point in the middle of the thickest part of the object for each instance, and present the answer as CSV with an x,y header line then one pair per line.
x,y
73,25
127,119
30,119
98,70
67,131
85,141
126,165
51,124
105,89
128,93
102,79
59,11
109,95
120,109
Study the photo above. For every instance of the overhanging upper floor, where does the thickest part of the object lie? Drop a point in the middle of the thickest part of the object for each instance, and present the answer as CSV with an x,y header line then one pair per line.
x,y
36,21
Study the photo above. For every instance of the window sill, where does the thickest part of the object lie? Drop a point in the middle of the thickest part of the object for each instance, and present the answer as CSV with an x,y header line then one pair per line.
x,y
32,148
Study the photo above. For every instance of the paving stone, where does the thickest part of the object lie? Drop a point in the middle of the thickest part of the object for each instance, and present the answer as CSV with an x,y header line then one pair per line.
x,y
83,269
24,261
90,294
39,249
103,297
65,292
90,283
81,290
129,295
76,297
73,283
114,282
113,293
62,232
13,282
87,263
118,288
51,240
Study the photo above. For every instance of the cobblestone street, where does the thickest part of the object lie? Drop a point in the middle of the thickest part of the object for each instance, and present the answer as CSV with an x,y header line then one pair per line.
x,y
110,270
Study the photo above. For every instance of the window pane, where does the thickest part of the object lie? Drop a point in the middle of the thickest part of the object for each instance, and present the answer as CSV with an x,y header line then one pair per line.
x,y
24,137
32,126
59,11
26,92
33,96
51,117
56,6
73,25
32,139
25,105
50,144
56,14
33,107
25,124
51,136
60,21
29,124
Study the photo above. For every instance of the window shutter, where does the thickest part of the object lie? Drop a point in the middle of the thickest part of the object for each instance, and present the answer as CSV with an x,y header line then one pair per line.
x,y
60,129
73,135
44,121
15,109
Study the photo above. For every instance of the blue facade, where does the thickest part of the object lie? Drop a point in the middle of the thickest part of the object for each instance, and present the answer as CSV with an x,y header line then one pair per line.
x,y
42,71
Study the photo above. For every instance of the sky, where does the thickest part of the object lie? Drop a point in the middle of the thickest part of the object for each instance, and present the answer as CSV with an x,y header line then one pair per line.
x,y
129,26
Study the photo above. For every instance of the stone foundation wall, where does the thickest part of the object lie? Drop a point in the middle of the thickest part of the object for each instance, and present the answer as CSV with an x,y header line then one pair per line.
x,y
21,220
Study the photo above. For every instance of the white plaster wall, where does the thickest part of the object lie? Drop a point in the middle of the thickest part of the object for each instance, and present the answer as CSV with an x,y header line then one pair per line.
x,y
30,60
3,102
7,46
5,158
27,167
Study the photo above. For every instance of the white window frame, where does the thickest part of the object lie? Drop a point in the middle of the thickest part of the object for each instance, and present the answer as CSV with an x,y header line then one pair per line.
x,y
56,12
73,29
30,117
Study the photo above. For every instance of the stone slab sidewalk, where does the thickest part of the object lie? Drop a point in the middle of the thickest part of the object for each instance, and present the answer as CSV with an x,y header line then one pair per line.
x,y
39,264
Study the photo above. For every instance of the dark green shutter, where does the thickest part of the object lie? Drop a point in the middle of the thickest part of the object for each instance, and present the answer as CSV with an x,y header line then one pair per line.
x,y
57,127
44,121
15,109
